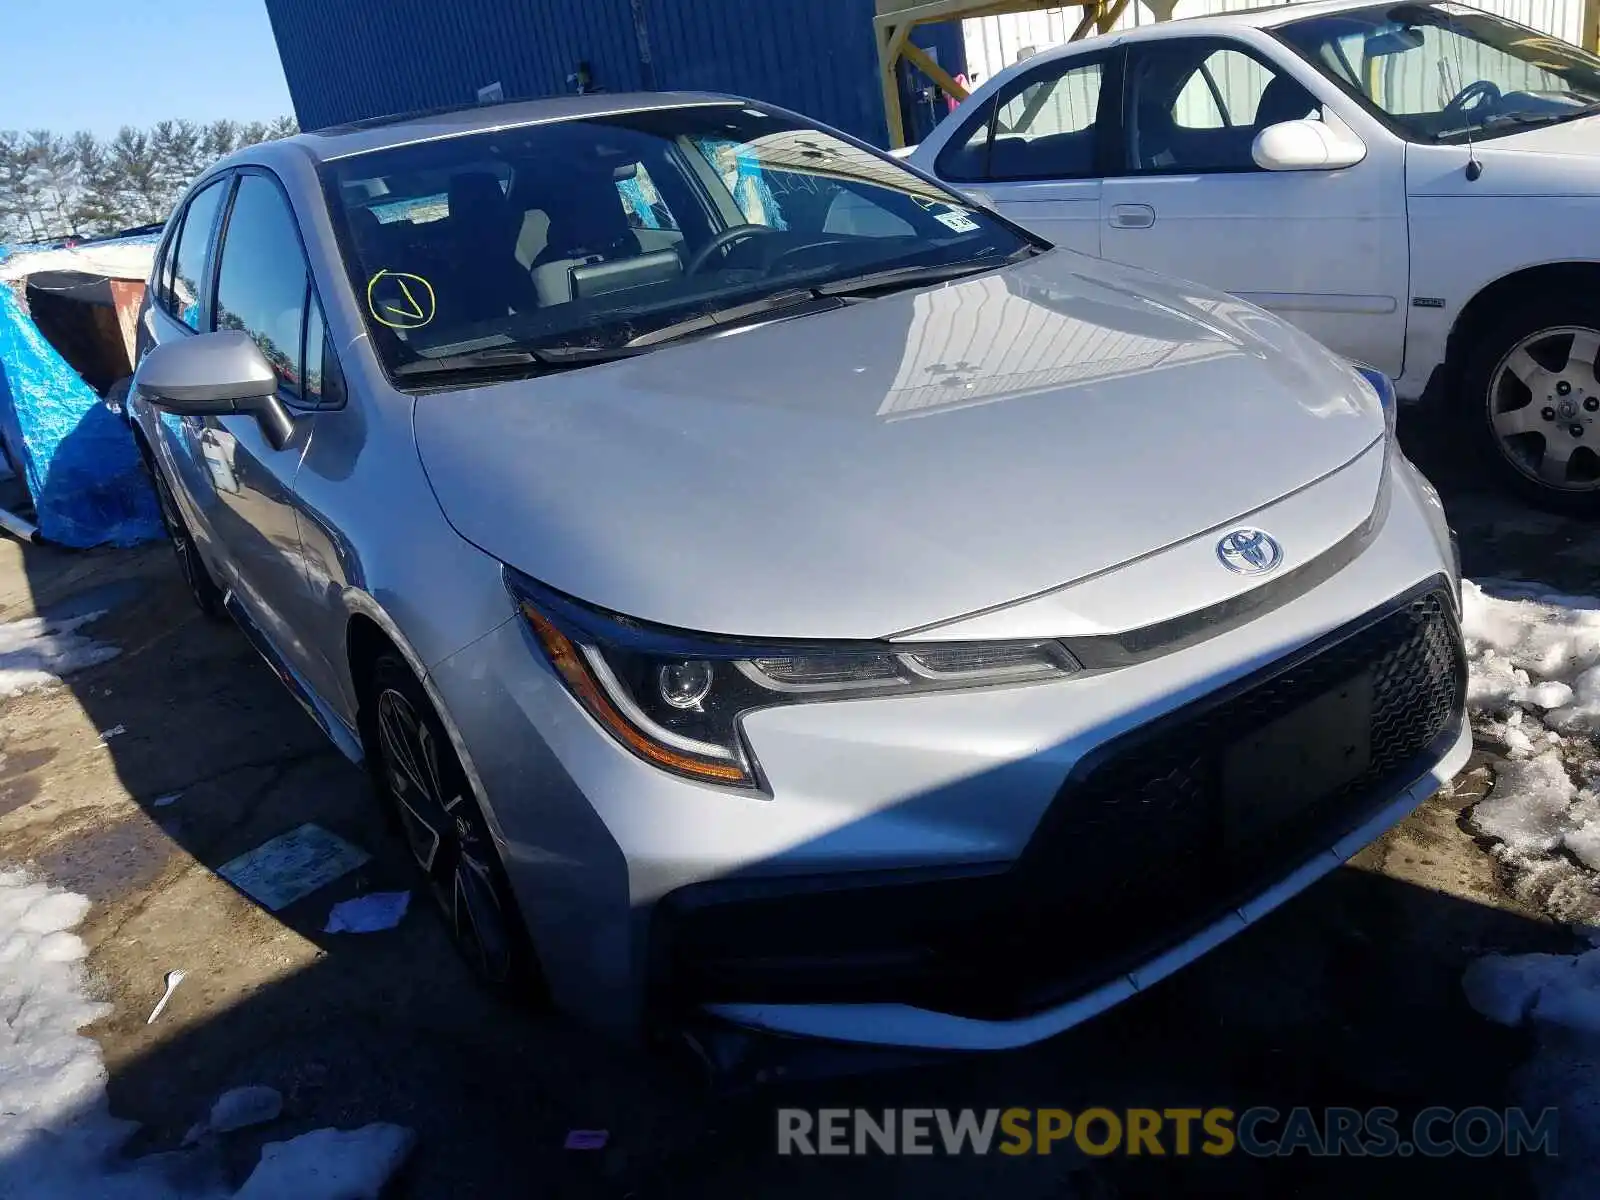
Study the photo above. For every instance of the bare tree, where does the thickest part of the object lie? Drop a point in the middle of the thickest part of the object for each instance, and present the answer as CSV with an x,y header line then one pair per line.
x,y
54,187
54,172
16,189
100,204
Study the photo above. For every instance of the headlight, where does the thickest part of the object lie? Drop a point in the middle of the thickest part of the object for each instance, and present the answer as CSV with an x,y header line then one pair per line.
x,y
677,699
1382,388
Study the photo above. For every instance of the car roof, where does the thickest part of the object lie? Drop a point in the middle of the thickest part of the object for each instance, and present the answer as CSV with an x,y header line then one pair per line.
x,y
1218,24
405,129
1266,16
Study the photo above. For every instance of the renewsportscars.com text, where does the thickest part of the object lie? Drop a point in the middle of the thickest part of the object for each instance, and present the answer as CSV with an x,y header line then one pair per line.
x,y
1260,1132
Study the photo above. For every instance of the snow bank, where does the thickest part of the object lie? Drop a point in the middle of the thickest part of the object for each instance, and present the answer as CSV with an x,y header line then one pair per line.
x,y
126,258
49,1072
1537,648
1559,996
58,1140
1534,686
38,651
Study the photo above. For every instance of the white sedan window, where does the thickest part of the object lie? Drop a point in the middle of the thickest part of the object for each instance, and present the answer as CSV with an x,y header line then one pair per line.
x,y
1235,80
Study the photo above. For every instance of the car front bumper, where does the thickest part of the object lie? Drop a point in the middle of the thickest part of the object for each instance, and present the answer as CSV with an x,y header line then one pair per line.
x,y
912,845
906,1025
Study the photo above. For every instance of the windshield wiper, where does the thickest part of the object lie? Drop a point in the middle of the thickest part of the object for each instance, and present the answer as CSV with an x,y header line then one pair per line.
x,y
898,278
723,318
1521,118
510,361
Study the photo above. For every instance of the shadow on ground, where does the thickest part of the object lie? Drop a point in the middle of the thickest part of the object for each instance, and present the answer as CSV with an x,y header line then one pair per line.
x,y
1348,996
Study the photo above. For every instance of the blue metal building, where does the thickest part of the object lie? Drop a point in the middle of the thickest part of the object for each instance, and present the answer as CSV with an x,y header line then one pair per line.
x,y
348,59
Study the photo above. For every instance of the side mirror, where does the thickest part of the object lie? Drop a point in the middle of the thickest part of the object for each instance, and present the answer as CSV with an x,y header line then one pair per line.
x,y
212,375
1306,145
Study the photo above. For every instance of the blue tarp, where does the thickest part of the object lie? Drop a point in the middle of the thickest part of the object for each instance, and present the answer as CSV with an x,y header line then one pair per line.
x,y
75,454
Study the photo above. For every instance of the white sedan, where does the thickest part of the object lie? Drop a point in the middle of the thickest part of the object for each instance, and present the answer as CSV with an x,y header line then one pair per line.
x,y
1416,185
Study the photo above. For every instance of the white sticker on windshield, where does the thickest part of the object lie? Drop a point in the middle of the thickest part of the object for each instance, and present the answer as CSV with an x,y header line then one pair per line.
x,y
959,221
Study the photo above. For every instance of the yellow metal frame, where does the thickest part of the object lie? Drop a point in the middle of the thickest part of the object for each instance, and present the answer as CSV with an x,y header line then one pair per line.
x,y
897,18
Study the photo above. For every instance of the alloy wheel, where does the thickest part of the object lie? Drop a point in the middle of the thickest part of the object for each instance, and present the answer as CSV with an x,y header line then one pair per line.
x,y
1543,405
445,832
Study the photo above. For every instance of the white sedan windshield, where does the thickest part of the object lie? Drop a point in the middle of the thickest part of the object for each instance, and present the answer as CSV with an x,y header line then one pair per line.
x,y
1444,72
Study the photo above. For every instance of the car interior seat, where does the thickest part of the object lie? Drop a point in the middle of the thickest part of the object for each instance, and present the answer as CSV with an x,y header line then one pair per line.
x,y
482,279
586,225
1283,99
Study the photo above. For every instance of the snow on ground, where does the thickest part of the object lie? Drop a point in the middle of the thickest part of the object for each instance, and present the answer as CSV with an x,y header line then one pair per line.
x,y
1534,687
1559,995
37,651
58,1139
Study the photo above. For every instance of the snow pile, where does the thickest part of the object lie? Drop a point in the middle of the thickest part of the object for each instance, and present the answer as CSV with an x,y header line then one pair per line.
x,y
38,651
48,1070
1536,648
1559,996
126,258
1534,687
58,1140
329,1164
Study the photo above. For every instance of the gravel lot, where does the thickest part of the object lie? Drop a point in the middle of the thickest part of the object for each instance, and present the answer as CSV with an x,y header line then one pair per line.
x,y
1348,996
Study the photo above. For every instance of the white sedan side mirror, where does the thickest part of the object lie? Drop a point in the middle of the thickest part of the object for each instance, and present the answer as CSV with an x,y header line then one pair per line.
x,y
1306,145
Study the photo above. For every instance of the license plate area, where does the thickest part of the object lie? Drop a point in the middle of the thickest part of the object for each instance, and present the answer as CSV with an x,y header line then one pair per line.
x,y
1271,776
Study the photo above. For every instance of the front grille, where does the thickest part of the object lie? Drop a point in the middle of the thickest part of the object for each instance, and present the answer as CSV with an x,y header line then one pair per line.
x,y
1134,854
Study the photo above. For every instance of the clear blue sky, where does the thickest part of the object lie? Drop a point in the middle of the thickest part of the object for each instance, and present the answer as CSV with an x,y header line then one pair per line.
x,y
100,64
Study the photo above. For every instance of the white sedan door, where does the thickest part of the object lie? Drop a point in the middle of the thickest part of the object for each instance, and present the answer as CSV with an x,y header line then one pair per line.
x,y
1035,150
1326,249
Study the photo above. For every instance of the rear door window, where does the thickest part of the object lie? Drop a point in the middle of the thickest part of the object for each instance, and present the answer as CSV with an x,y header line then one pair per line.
x,y
1046,127
189,257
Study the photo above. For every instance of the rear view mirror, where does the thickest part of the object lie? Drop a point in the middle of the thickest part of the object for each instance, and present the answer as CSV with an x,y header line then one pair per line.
x,y
212,375
1306,145
1395,41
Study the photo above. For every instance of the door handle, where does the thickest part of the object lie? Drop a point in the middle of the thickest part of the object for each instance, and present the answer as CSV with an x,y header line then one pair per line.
x,y
1132,216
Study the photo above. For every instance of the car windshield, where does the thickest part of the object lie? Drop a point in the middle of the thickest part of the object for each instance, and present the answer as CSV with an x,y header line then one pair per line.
x,y
1445,72
567,240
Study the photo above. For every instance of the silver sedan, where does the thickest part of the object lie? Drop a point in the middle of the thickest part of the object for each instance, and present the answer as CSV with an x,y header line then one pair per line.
x,y
769,588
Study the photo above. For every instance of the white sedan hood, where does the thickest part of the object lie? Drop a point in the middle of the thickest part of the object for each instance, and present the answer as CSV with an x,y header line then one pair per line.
x,y
1547,160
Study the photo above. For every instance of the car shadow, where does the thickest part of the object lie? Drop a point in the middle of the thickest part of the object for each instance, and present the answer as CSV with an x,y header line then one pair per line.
x,y
1349,995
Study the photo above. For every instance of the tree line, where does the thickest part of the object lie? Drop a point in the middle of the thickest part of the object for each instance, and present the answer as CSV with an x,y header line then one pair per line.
x,y
55,186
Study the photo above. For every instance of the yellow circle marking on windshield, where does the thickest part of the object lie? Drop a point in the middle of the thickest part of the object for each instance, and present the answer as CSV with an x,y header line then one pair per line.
x,y
400,300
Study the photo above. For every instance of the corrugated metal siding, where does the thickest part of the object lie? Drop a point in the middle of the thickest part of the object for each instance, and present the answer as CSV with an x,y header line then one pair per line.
x,y
817,59
367,58
993,43
363,58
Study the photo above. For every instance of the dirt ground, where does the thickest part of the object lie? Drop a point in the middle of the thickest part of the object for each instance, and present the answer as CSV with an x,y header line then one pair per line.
x,y
1348,996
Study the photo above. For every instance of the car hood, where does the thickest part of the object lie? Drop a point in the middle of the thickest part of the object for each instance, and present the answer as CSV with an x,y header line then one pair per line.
x,y
1546,160
901,461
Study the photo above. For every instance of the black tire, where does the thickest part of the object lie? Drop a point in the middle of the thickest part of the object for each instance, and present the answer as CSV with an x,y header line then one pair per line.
x,y
116,398
202,588
1539,332
430,801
